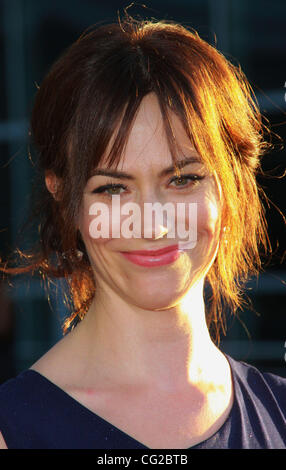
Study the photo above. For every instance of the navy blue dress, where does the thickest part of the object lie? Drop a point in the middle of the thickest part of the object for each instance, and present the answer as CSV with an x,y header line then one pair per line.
x,y
37,414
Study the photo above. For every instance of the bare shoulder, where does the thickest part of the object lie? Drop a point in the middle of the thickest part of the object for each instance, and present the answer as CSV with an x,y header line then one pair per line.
x,y
2,442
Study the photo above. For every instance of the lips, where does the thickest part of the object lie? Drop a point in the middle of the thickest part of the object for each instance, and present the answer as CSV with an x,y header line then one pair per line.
x,y
152,252
153,258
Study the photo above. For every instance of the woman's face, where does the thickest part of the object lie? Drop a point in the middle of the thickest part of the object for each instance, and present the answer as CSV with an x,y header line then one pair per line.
x,y
161,284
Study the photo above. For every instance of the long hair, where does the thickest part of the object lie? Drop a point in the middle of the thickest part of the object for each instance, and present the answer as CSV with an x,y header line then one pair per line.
x,y
95,88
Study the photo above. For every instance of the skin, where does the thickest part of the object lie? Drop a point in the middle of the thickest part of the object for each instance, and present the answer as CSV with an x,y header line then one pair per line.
x,y
143,349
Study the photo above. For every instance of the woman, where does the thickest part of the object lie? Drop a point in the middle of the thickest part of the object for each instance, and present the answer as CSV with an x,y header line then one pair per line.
x,y
150,113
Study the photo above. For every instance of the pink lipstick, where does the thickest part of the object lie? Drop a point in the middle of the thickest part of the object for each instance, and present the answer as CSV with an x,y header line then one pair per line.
x,y
152,258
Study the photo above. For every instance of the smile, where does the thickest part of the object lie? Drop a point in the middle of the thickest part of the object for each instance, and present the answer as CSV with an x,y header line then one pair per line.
x,y
152,258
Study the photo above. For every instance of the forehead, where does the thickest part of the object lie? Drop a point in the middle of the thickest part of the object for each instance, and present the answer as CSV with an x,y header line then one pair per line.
x,y
147,146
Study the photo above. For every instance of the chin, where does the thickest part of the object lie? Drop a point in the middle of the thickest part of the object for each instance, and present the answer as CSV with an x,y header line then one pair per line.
x,y
161,292
157,303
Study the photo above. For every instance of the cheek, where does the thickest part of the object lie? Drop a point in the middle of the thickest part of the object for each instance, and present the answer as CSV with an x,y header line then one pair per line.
x,y
208,218
99,223
89,226
207,213
96,224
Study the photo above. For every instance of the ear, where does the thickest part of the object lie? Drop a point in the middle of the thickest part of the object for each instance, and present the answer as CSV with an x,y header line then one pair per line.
x,y
52,183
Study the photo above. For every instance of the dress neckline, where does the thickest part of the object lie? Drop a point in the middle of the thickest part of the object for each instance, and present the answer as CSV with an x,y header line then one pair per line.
x,y
94,415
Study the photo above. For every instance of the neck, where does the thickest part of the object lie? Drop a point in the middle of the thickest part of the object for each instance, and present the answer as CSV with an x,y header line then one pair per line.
x,y
167,350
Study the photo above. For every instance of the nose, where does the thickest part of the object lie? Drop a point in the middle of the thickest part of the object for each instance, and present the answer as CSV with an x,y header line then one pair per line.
x,y
154,218
153,224
159,232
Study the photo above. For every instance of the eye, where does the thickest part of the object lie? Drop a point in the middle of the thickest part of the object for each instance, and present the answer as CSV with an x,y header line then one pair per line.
x,y
194,179
112,187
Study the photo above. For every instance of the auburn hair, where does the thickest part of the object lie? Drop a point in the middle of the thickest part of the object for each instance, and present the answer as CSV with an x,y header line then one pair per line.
x,y
94,89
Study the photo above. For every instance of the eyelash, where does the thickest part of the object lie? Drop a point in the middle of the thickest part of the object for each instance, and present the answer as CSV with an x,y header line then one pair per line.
x,y
101,189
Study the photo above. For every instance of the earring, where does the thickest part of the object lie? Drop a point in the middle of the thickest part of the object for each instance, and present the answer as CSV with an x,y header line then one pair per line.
x,y
67,255
79,254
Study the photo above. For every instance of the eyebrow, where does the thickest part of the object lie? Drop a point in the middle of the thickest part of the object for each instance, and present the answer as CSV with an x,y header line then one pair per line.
x,y
166,171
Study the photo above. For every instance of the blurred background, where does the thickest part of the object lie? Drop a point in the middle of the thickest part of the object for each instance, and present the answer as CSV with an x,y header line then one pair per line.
x,y
33,33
